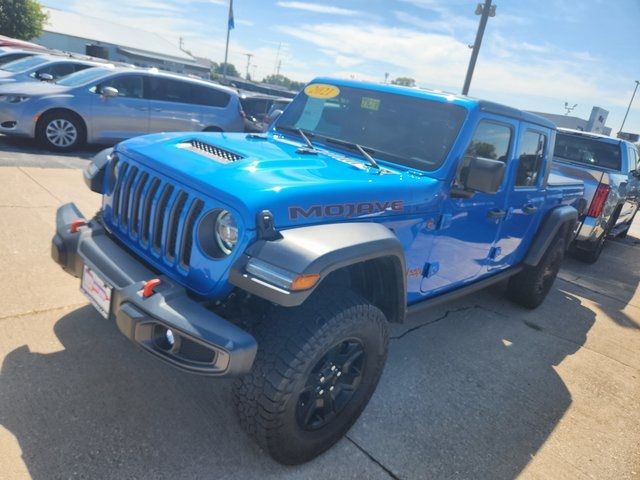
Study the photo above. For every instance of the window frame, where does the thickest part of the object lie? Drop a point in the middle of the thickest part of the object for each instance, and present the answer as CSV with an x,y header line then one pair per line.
x,y
98,86
545,157
508,155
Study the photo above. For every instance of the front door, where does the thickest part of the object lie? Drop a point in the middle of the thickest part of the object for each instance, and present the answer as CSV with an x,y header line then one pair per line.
x,y
525,179
124,116
469,227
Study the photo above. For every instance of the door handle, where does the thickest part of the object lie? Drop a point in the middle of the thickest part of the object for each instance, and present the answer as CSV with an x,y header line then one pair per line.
x,y
530,208
496,214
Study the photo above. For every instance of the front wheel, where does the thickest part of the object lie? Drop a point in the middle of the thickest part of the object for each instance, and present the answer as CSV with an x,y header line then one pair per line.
x,y
61,131
316,369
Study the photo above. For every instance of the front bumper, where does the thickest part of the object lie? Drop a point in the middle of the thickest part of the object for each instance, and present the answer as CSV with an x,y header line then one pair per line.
x,y
205,343
15,121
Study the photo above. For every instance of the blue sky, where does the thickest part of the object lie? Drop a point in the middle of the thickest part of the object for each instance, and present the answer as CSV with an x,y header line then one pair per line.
x,y
536,55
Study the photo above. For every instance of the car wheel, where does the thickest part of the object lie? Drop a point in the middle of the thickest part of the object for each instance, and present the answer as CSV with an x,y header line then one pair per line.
x,y
316,369
530,287
61,131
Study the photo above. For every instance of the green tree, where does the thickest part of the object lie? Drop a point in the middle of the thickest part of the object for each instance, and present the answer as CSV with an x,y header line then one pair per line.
x,y
404,81
283,81
21,19
231,69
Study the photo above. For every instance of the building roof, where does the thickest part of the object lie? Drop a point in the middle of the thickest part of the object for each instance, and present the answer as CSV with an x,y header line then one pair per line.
x,y
96,29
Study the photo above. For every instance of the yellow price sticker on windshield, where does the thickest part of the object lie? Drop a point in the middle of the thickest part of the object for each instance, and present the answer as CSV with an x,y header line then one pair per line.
x,y
321,90
370,103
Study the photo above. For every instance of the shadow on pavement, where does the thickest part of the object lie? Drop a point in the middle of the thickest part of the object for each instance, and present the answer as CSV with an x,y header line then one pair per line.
x,y
474,396
30,146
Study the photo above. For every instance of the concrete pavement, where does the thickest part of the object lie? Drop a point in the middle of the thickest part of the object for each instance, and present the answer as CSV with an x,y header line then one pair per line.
x,y
479,388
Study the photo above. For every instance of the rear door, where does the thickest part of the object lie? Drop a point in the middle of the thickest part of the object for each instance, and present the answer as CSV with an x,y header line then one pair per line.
x,y
124,116
526,196
172,106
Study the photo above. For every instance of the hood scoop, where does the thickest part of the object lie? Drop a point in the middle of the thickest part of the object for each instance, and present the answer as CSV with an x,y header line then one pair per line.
x,y
211,151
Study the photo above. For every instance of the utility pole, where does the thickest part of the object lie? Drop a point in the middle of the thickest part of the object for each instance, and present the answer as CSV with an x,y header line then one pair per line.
x,y
386,77
275,71
248,55
629,107
278,67
487,10
568,108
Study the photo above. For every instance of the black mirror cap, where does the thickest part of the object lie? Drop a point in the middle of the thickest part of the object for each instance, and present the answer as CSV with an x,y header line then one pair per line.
x,y
484,175
94,173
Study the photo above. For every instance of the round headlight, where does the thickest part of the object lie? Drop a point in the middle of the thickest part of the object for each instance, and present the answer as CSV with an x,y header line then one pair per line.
x,y
226,232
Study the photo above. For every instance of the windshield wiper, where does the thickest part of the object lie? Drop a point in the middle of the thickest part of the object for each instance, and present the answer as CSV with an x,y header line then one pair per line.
x,y
355,146
305,135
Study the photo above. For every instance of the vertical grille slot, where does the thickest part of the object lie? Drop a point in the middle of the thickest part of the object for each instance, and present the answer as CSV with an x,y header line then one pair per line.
x,y
135,207
146,210
126,197
172,229
113,166
158,224
120,176
187,232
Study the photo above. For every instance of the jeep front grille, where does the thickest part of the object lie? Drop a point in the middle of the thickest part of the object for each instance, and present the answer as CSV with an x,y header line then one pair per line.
x,y
154,213
211,151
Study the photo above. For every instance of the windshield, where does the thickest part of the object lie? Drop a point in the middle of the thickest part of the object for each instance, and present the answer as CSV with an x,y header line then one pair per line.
x,y
398,128
24,64
589,151
83,76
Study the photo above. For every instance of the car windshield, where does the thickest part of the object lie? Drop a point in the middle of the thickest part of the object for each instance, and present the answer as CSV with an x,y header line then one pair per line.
x,y
403,129
24,64
84,76
589,151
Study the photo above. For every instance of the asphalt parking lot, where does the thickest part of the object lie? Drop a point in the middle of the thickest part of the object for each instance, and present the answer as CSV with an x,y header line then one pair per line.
x,y
478,388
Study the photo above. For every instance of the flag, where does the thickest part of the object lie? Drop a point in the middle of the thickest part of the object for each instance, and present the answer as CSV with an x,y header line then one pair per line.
x,y
231,25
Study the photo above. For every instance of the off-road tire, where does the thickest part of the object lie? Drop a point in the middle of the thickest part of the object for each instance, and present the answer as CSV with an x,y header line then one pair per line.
x,y
63,118
291,343
530,287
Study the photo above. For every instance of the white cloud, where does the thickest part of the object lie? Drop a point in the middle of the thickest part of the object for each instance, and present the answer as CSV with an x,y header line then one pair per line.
x,y
317,8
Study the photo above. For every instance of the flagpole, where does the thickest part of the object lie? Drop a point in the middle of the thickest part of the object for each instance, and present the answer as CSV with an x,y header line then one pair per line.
x,y
226,48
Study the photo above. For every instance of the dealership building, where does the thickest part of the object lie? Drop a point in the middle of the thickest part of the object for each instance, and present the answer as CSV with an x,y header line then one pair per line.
x,y
93,36
595,123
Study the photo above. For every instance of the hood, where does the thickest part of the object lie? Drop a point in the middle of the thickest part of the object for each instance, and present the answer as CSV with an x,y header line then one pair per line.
x,y
32,88
275,174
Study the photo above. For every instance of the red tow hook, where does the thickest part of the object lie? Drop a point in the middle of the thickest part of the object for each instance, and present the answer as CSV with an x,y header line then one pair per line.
x,y
76,224
147,290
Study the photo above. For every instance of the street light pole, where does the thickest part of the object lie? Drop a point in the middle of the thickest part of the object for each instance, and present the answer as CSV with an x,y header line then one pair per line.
x,y
487,10
629,107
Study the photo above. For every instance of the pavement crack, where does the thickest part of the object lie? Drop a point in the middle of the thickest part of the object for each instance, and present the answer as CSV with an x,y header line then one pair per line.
x,y
435,320
44,310
373,459
40,184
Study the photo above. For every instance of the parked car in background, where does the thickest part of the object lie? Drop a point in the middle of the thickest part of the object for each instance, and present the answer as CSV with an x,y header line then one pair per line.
x,y
106,105
609,169
8,54
256,107
15,43
43,67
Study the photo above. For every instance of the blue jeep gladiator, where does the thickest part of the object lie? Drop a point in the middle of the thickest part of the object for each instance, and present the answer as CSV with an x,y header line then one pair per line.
x,y
281,258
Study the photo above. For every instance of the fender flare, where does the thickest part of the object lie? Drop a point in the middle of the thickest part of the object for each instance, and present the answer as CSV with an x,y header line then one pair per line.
x,y
555,220
319,249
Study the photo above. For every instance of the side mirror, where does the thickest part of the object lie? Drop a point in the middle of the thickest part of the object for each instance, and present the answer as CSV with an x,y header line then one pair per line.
x,y
108,92
482,175
45,77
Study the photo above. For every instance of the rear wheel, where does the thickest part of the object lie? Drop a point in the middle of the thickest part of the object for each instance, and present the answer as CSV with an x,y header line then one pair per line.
x,y
316,369
61,131
530,287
